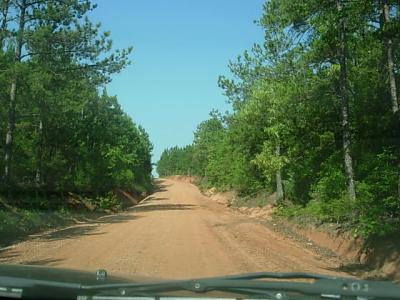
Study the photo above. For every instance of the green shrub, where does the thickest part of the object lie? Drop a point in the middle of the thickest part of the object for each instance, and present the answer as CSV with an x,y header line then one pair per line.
x,y
21,221
330,186
374,216
109,201
337,210
365,216
259,199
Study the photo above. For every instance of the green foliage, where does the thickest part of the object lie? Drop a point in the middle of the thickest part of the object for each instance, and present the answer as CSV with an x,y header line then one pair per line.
x,y
21,221
330,186
108,201
69,136
287,117
259,199
269,161
364,216
176,161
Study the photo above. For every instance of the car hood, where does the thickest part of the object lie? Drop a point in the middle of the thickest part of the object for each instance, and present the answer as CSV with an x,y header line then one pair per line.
x,y
67,275
89,278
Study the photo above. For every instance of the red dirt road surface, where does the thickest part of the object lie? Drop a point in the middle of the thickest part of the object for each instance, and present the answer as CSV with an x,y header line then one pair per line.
x,y
175,233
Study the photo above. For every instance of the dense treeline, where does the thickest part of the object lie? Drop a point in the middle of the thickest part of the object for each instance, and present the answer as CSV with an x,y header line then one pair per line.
x,y
315,115
61,130
176,161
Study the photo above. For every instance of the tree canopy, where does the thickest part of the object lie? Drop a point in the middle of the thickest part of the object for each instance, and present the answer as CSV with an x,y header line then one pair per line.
x,y
315,115
61,130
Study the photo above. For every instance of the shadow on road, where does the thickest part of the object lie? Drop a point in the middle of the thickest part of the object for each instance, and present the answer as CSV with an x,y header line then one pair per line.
x,y
4,257
42,262
161,186
144,208
90,225
364,271
354,269
86,229
150,198
72,232
111,219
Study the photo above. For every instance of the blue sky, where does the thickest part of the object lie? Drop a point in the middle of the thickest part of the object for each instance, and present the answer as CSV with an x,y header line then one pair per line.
x,y
180,49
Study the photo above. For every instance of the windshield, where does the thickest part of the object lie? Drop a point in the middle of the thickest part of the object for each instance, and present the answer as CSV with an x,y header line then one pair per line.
x,y
187,139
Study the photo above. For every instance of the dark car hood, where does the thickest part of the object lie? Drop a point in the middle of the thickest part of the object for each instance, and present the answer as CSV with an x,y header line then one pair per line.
x,y
70,276
66,275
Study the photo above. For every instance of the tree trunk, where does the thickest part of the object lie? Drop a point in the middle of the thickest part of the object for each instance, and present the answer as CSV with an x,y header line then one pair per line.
x,y
13,95
398,9
39,156
279,187
10,133
390,60
348,161
388,42
4,14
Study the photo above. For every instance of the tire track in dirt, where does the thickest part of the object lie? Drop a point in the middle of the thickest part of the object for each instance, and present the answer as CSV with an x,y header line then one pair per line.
x,y
175,233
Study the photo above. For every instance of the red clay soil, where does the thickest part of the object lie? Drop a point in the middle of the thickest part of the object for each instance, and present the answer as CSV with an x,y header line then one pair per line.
x,y
175,233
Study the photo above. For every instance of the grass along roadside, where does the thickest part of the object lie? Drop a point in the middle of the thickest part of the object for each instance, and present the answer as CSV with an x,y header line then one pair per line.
x,y
33,215
17,223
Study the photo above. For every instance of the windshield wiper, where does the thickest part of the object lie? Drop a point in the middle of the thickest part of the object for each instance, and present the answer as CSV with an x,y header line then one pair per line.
x,y
208,284
246,284
326,286
272,275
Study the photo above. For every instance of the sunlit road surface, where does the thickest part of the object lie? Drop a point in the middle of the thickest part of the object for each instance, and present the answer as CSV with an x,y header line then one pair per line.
x,y
175,233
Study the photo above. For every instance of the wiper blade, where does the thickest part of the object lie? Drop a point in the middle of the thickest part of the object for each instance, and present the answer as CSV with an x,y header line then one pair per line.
x,y
245,284
207,284
247,276
271,275
327,286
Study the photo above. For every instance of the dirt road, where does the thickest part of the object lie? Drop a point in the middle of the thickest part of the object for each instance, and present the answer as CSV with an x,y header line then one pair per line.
x,y
175,233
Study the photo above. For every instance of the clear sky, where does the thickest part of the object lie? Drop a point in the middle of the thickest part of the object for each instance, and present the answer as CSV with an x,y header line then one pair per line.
x,y
180,49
